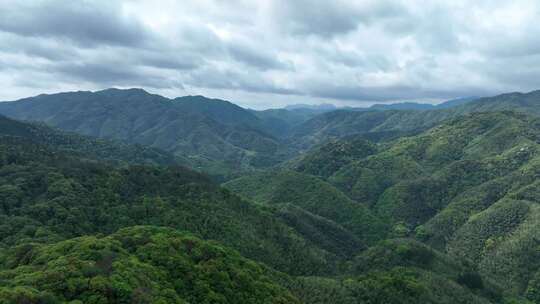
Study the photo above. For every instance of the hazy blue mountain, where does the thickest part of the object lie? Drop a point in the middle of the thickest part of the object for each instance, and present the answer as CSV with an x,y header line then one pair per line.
x,y
280,122
456,102
318,107
382,125
220,137
219,110
422,106
213,134
403,106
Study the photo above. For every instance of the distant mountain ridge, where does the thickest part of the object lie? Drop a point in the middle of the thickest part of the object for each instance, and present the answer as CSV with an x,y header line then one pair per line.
x,y
423,106
222,138
320,107
407,105
215,135
382,125
372,206
86,147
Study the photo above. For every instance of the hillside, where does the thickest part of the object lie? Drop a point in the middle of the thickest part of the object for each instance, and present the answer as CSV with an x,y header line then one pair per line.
x,y
322,222
326,159
87,147
371,125
392,123
465,187
280,122
60,213
135,265
223,139
423,106
520,102
400,271
49,195
313,195
215,135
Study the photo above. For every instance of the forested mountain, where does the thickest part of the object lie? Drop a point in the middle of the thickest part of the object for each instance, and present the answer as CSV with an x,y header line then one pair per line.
x,y
315,196
435,206
211,135
61,210
466,187
142,264
223,139
87,147
521,102
423,106
280,122
214,135
49,195
390,124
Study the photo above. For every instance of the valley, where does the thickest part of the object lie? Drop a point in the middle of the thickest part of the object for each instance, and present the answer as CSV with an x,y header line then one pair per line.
x,y
122,195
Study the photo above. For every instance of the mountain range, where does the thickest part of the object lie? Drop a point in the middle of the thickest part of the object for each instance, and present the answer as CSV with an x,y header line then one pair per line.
x,y
212,135
423,106
122,196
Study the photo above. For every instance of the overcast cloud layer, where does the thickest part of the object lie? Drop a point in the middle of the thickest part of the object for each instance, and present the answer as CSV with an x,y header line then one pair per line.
x,y
264,54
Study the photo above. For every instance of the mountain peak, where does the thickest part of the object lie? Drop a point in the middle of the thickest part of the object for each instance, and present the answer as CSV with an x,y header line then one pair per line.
x,y
131,91
322,106
201,98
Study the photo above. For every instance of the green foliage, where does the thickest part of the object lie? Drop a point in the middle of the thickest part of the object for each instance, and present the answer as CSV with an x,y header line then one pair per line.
x,y
50,196
478,235
467,188
402,252
471,279
314,195
384,125
398,285
324,233
86,147
212,135
136,265
325,160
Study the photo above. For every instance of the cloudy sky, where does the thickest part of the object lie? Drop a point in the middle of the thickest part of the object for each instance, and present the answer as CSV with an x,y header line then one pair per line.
x,y
268,53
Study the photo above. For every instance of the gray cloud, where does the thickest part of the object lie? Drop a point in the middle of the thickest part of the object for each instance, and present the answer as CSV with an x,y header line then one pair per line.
x,y
348,52
391,93
82,22
324,18
108,74
168,60
256,57
37,47
236,80
329,18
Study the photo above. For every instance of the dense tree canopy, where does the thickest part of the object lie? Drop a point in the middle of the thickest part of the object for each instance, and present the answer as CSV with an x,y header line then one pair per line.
x,y
381,207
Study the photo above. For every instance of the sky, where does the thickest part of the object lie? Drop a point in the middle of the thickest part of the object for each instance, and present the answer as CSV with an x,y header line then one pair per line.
x,y
269,53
